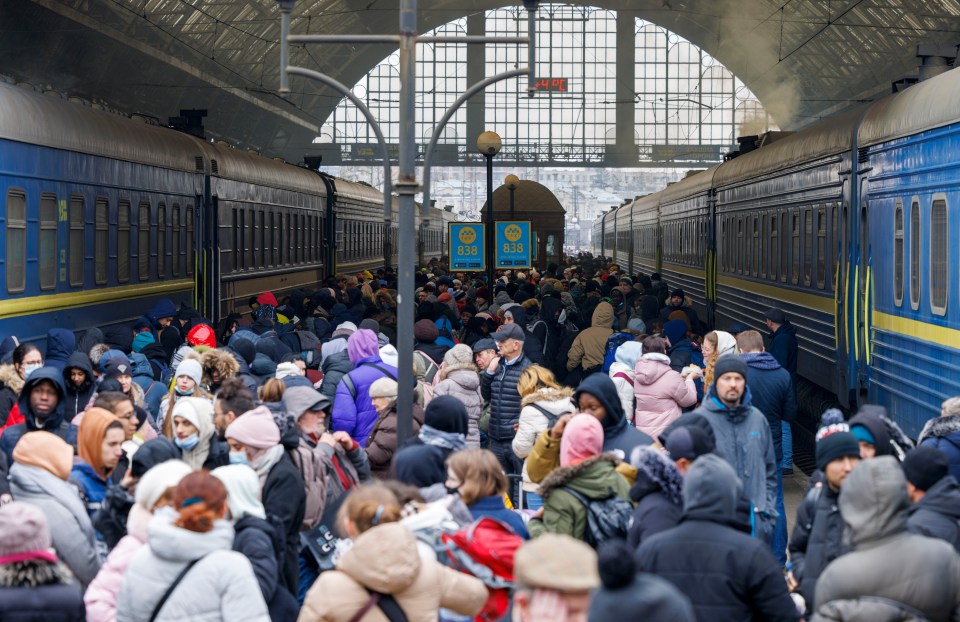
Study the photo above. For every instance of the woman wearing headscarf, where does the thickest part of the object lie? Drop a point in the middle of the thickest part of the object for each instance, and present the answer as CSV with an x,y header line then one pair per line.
x,y
661,392
258,536
382,443
98,443
191,539
585,470
444,431
154,491
194,434
42,462
187,381
254,439
715,344
622,373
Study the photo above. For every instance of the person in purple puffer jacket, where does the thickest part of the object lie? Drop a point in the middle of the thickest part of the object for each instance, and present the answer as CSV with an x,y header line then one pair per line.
x,y
353,412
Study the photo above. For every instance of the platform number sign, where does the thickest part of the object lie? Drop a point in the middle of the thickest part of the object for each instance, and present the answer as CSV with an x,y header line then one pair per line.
x,y
513,244
466,246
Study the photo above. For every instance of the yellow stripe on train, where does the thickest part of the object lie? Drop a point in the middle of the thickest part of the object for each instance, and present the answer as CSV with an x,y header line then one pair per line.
x,y
16,307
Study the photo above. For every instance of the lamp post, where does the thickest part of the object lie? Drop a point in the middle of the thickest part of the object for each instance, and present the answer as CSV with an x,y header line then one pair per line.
x,y
489,144
512,182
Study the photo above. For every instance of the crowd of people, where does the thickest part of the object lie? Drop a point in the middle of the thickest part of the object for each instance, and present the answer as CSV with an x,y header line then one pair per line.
x,y
585,447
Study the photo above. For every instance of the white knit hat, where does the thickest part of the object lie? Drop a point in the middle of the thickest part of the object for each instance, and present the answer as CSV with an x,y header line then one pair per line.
x,y
191,368
460,355
285,370
157,480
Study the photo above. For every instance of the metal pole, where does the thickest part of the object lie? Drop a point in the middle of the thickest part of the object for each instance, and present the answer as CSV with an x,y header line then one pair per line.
x,y
286,8
490,224
387,190
531,46
512,190
407,188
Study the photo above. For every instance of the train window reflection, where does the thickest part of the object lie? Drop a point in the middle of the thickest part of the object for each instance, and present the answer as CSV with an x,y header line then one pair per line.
x,y
123,241
939,257
821,247
16,264
898,255
48,242
915,254
161,240
100,241
143,243
76,241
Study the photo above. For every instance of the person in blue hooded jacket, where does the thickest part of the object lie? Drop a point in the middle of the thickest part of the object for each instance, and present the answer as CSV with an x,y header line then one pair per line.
x,y
597,396
61,343
743,439
353,412
41,402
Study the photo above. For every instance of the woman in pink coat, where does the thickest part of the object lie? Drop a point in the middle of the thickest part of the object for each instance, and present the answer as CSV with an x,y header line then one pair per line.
x,y
660,392
153,491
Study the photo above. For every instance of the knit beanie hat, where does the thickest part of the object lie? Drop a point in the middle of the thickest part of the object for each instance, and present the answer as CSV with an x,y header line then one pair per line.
x,y
834,439
287,369
383,387
425,331
24,534
864,434
255,428
243,490
191,368
370,324
158,480
582,439
459,355
925,466
116,367
729,363
45,450
142,340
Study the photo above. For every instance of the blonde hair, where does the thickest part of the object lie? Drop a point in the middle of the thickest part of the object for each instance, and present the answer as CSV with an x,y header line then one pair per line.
x,y
535,377
950,406
479,472
714,340
369,505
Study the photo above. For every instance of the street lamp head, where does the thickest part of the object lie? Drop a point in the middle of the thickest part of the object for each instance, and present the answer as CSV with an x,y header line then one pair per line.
x,y
489,143
511,181
286,6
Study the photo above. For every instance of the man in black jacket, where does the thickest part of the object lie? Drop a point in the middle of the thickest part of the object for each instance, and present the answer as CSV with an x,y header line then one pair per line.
x,y
774,395
498,383
934,496
817,537
710,556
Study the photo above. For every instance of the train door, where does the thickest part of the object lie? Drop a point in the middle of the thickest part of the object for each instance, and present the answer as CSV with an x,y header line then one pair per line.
x,y
631,266
840,301
864,287
710,260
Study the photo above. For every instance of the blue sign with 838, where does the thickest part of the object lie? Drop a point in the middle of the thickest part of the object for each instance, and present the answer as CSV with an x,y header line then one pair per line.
x,y
513,244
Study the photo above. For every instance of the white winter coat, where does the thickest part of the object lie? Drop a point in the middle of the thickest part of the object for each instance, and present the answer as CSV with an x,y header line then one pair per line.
x,y
220,587
533,422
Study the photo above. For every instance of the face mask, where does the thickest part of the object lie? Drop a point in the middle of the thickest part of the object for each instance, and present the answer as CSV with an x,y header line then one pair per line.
x,y
183,393
187,444
238,457
30,368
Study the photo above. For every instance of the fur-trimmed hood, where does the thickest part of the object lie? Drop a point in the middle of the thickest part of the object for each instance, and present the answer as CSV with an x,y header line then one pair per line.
x,y
221,361
941,427
592,479
11,379
452,368
33,574
547,394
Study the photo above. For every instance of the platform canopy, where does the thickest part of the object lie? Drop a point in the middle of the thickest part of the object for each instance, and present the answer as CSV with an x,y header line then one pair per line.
x,y
802,59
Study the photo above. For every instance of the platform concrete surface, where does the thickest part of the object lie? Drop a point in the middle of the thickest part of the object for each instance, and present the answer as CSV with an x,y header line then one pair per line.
x,y
794,488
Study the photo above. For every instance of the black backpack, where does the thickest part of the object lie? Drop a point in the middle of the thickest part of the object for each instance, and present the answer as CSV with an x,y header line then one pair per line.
x,y
607,518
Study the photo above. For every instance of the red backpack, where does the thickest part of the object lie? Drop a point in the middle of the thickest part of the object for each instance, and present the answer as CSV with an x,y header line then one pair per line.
x,y
485,550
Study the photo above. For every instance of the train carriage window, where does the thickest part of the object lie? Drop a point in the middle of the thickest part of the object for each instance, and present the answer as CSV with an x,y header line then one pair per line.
x,y
100,241
175,242
123,241
834,234
764,246
161,240
189,243
16,263
939,257
784,247
77,242
914,254
237,238
258,238
821,247
48,242
739,249
898,254
143,244
277,244
795,247
807,246
724,247
755,248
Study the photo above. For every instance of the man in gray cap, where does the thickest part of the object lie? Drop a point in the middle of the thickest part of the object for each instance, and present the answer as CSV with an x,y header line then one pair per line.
x,y
554,575
498,383
743,439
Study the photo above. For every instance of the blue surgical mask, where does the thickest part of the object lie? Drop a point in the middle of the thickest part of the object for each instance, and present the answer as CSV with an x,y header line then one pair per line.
x,y
30,368
238,457
187,444
183,393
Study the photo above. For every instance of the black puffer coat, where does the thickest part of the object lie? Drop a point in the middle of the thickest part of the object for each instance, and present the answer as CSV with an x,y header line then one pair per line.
x,y
726,574
285,496
817,538
77,397
938,513
58,602
500,388
262,542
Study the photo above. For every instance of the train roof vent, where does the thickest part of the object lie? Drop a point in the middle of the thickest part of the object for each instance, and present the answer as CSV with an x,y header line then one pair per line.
x,y
198,163
862,155
214,167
